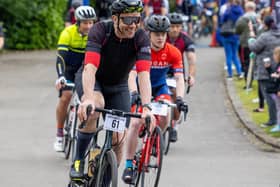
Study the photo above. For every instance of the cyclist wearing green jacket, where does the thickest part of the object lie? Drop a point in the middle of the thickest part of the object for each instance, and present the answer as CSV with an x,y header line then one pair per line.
x,y
70,55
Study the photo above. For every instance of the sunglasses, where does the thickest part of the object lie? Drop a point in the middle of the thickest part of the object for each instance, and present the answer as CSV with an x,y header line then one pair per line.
x,y
133,9
131,20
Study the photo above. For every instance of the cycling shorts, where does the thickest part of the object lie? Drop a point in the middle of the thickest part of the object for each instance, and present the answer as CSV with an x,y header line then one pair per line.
x,y
161,92
70,71
116,96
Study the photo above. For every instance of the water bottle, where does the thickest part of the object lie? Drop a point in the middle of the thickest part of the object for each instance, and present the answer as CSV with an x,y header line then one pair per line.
x,y
93,159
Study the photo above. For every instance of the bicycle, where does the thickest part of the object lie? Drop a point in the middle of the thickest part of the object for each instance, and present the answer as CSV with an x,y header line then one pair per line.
x,y
166,134
148,159
70,125
104,165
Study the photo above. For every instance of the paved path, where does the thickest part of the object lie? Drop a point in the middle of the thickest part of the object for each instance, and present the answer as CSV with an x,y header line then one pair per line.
x,y
212,150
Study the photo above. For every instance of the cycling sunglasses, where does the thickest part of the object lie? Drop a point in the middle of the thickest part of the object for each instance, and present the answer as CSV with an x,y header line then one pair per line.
x,y
133,9
129,20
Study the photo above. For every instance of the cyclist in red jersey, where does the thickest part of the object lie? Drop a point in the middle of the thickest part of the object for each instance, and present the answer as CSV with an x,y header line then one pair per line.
x,y
164,56
186,46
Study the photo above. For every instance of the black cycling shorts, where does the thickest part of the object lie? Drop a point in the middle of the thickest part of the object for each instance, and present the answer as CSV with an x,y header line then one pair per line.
x,y
70,71
115,96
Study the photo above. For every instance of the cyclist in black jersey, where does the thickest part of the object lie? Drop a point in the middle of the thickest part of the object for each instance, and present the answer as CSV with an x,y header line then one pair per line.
x,y
70,55
113,48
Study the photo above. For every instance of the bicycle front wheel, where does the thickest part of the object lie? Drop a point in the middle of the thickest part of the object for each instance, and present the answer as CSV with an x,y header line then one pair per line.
x,y
67,137
151,173
107,175
166,140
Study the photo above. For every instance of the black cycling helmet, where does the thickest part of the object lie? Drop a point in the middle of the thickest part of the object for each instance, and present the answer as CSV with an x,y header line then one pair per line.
x,y
175,18
126,6
157,23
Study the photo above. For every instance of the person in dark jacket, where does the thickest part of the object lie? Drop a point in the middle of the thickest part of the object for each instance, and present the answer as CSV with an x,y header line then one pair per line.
x,y
273,86
263,47
242,29
231,41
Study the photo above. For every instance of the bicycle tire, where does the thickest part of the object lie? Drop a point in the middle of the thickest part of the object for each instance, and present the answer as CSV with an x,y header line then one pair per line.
x,y
166,140
158,155
107,163
67,137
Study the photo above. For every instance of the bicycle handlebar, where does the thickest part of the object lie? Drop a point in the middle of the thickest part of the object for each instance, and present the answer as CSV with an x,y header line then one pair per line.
x,y
116,113
65,83
172,105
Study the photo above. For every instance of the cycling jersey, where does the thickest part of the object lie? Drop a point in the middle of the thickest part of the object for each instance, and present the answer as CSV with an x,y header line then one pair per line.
x,y
183,42
71,50
162,60
116,57
156,5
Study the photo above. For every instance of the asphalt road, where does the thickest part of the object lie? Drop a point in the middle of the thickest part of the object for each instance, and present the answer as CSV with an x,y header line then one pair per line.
x,y
212,150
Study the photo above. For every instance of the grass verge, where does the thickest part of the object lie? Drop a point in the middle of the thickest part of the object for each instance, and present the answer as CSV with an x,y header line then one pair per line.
x,y
247,101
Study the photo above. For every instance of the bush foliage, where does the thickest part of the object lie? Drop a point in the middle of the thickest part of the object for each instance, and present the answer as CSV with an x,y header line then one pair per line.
x,y
32,24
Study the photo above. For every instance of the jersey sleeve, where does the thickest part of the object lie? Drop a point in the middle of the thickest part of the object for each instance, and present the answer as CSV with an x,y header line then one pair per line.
x,y
176,60
143,56
96,37
189,44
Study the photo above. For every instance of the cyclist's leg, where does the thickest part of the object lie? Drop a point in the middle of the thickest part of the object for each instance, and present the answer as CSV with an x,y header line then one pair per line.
x,y
117,97
85,134
164,120
130,149
65,95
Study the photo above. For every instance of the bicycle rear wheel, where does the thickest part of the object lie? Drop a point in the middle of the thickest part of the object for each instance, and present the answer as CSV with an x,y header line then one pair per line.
x,y
107,175
150,174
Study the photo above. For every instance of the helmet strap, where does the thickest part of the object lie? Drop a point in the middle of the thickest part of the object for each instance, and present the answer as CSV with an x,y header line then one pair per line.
x,y
119,24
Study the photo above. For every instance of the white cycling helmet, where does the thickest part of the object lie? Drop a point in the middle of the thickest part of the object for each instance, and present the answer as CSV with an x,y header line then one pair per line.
x,y
85,13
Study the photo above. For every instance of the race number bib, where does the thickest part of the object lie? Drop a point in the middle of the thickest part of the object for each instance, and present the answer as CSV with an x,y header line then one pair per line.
x,y
171,82
159,109
114,123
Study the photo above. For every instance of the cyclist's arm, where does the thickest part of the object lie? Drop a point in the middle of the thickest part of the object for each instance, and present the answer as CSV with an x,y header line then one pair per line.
x,y
163,11
163,8
145,87
177,66
191,58
62,52
132,81
190,55
89,80
60,62
92,58
180,88
143,65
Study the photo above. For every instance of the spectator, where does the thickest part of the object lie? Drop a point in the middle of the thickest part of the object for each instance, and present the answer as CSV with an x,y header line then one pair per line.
x,y
263,47
231,41
242,29
274,87
1,38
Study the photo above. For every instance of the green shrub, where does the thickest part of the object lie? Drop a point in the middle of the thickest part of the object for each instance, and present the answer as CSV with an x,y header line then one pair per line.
x,y
32,24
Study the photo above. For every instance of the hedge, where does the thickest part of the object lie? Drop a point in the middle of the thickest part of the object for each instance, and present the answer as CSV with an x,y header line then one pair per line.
x,y
32,24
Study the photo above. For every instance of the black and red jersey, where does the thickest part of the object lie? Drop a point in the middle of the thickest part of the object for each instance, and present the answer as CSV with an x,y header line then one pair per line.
x,y
116,57
183,43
